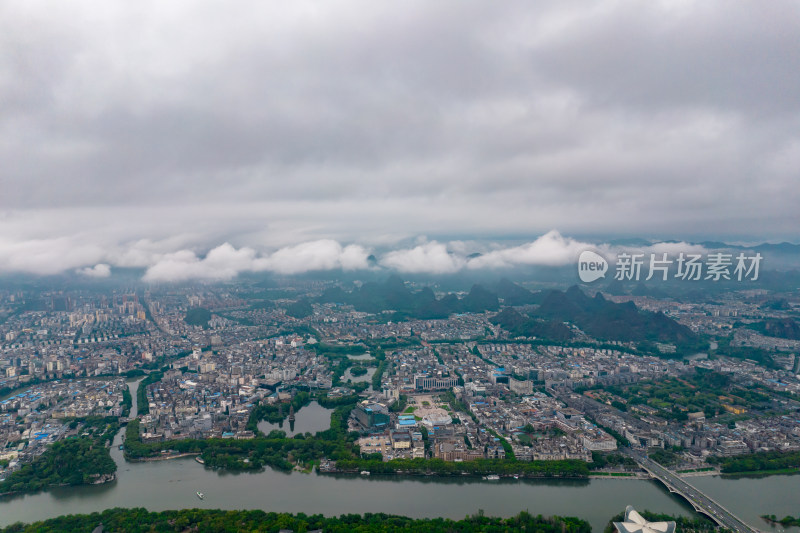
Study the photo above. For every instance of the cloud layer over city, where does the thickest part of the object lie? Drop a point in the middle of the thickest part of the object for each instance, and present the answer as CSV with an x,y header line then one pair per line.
x,y
198,140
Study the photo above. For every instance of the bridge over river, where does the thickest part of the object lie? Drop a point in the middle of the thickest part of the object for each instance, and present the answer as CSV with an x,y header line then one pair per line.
x,y
700,502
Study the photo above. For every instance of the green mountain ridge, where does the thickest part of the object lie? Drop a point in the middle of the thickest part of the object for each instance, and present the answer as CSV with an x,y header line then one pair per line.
x,y
785,328
423,304
606,320
597,317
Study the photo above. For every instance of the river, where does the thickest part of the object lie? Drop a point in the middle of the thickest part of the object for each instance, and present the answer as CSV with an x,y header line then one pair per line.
x,y
172,484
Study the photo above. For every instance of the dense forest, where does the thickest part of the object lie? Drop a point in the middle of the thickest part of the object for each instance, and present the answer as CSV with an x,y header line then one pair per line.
x,y
206,521
562,468
127,402
759,462
142,405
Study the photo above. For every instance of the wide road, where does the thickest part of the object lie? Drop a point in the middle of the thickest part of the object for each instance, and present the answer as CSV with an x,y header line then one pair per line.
x,y
700,501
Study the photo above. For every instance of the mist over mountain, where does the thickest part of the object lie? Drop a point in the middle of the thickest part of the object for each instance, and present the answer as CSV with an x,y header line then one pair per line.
x,y
551,256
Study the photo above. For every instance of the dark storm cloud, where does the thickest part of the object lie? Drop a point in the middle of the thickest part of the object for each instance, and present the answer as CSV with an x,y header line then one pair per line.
x,y
132,131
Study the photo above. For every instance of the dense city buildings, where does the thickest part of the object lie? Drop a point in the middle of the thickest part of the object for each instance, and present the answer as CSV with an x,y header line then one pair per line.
x,y
458,388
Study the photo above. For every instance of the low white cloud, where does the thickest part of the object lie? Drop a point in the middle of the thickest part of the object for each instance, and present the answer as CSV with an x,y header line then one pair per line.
x,y
427,257
221,263
177,259
144,253
317,255
551,249
430,257
100,270
47,256
226,262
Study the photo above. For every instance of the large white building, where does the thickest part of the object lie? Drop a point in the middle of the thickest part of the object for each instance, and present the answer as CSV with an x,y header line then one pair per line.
x,y
635,523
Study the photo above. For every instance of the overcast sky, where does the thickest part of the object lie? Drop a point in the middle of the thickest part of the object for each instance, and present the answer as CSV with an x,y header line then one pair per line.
x,y
147,133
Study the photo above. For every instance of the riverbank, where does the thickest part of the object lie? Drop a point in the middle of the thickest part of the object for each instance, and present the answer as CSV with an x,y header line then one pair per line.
x,y
644,475
561,469
762,473
102,480
463,475
245,521
619,475
699,472
172,484
69,462
165,457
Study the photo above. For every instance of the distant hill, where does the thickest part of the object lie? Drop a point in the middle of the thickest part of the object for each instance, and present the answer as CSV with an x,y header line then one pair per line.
x,y
422,304
784,247
615,288
785,328
524,326
631,241
606,320
652,292
513,294
597,317
479,300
